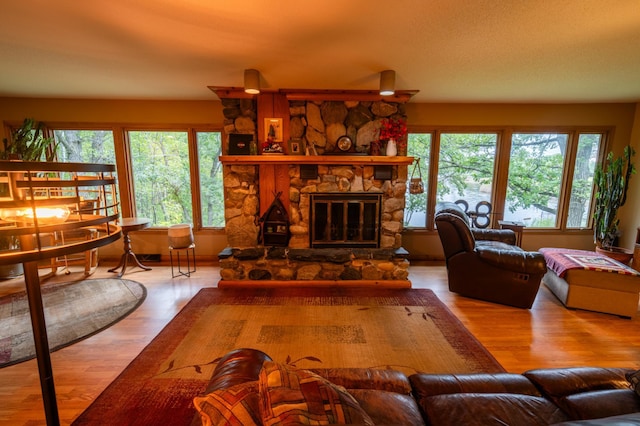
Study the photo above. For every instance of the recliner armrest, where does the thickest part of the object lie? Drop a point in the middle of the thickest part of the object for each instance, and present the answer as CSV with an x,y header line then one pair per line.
x,y
506,236
527,262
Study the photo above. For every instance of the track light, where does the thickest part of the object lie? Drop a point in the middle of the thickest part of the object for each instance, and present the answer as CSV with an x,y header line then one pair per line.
x,y
387,82
252,81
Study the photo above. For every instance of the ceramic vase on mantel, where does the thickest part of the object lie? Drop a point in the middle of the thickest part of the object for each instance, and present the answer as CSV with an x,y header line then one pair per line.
x,y
392,149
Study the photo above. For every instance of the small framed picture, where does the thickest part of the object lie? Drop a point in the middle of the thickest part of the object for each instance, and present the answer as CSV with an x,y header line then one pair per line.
x,y
273,129
296,147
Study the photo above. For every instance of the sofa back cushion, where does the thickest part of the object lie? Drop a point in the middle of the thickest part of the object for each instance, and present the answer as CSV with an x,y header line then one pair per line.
x,y
481,409
425,385
597,404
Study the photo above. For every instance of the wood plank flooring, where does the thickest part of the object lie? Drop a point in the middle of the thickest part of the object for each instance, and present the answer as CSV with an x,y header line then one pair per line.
x,y
548,335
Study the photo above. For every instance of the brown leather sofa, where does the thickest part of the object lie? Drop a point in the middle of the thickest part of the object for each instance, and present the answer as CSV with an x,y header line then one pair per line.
x,y
486,264
567,396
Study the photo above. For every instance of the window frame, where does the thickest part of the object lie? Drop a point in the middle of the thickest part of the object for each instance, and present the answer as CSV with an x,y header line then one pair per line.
x,y
501,168
122,149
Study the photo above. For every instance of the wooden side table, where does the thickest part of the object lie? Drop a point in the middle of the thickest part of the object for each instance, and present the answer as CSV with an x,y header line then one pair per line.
x,y
130,224
516,227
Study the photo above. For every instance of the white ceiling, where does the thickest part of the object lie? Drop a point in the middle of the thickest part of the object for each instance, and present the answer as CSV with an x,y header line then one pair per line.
x,y
449,50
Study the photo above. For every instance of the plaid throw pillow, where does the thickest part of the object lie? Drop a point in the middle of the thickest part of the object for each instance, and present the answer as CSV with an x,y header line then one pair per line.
x,y
293,397
237,405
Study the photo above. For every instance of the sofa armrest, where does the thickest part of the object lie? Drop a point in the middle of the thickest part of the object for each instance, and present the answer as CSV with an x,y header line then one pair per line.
x,y
506,236
236,367
526,262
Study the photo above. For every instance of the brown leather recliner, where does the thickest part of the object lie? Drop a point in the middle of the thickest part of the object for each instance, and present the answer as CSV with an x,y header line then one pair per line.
x,y
486,264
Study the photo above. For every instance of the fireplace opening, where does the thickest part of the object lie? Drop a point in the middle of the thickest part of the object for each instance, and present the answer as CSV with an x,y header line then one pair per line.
x,y
345,220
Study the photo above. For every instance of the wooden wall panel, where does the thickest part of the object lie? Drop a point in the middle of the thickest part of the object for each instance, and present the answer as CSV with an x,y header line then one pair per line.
x,y
273,178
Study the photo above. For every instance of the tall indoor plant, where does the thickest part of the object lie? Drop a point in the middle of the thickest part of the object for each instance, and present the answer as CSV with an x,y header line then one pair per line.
x,y
27,143
612,182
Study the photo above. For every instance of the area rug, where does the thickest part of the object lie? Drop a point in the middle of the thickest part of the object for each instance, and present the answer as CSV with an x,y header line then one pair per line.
x,y
73,311
408,330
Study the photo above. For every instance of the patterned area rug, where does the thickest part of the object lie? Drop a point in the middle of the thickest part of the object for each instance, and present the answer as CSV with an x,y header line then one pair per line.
x,y
408,330
73,311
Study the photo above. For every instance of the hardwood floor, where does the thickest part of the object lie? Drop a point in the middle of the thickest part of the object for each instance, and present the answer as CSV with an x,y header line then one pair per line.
x,y
548,335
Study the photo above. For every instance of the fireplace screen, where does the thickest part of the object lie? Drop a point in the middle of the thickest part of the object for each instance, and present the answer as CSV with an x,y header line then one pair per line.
x,y
345,220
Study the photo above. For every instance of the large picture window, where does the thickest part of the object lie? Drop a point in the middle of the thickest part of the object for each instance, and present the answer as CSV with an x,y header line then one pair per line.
x,y
465,171
535,171
161,176
535,178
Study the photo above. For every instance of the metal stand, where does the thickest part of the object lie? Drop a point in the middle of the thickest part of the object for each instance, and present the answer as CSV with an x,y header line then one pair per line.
x,y
191,258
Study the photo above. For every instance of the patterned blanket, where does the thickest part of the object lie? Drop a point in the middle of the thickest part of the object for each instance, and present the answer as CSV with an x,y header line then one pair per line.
x,y
560,260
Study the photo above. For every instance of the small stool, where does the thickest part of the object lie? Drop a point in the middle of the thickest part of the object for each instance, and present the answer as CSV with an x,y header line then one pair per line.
x,y
181,240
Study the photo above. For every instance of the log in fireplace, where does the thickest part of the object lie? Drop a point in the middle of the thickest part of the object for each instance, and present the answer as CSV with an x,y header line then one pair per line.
x,y
345,220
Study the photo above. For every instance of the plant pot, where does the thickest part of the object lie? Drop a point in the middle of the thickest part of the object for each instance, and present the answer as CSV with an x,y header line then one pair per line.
x,y
620,254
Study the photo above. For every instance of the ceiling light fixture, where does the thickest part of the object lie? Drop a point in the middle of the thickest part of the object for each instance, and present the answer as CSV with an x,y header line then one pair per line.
x,y
387,82
252,81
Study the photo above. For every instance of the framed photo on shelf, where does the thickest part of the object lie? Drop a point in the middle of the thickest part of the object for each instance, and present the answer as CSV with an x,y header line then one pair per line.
x,y
296,147
273,129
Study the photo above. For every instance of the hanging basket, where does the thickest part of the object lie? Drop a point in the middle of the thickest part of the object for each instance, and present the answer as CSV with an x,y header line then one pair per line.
x,y
416,186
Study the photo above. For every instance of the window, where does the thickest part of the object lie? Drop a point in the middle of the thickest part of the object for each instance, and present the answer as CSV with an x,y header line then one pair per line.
x,y
465,170
210,170
415,211
161,176
88,146
589,145
537,169
85,146
535,178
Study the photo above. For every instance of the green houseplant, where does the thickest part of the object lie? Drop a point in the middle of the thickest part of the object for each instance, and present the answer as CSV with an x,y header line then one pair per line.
x,y
28,143
612,182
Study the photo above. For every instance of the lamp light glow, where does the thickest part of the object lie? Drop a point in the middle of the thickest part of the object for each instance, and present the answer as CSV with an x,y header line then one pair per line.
x,y
252,81
387,82
45,215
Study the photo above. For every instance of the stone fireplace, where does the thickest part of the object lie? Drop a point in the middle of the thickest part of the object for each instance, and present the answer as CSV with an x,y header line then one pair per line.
x,y
346,212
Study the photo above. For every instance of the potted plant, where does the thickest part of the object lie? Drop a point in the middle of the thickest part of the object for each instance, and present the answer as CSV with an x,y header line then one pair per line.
x,y
28,143
612,182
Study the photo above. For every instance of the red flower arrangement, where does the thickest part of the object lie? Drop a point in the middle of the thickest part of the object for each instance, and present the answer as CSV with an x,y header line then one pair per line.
x,y
395,129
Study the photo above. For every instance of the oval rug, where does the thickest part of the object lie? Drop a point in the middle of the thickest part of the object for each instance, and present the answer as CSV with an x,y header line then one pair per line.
x,y
73,311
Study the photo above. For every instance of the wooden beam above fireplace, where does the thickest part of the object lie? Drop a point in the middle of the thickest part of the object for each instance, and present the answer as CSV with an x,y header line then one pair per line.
x,y
401,96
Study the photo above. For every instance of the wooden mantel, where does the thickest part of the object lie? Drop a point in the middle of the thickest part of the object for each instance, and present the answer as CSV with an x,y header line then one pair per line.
x,y
316,159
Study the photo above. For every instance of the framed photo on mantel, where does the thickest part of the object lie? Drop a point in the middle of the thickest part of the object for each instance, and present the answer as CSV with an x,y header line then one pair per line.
x,y
296,147
273,129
